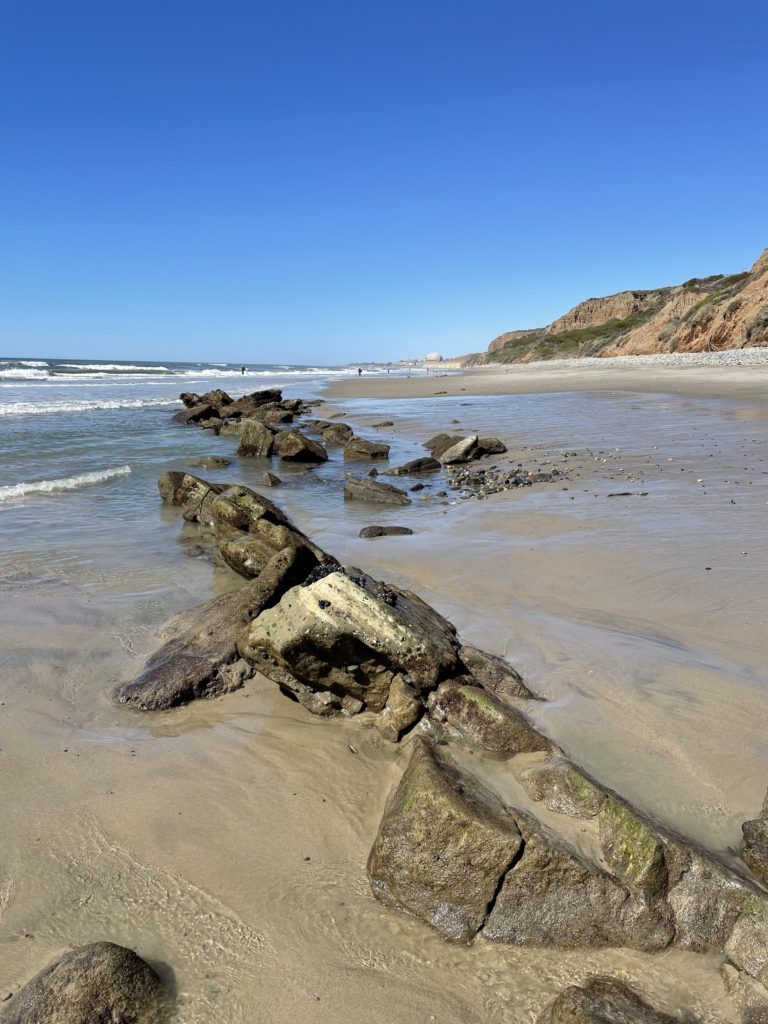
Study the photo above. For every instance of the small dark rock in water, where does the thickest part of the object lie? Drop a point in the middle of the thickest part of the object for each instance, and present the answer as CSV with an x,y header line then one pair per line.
x,y
211,462
99,982
373,472
384,423
417,487
601,1001
424,465
386,531
270,480
364,489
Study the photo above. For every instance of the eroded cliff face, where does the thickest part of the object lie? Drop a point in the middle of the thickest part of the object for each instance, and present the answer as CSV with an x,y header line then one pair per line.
x,y
704,314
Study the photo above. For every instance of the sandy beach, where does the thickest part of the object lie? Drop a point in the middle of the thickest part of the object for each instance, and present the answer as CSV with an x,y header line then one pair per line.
x,y
227,840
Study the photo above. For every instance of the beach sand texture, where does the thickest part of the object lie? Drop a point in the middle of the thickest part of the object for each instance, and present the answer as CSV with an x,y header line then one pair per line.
x,y
227,840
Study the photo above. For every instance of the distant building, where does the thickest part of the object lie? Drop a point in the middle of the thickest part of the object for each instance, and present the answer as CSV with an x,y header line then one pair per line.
x,y
434,357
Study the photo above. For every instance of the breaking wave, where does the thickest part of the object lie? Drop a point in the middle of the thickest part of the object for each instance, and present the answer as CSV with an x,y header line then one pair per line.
x,y
83,405
70,483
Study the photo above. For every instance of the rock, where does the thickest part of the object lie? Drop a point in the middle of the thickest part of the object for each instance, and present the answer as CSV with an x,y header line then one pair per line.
x,y
424,465
249,553
748,995
601,1001
705,899
292,404
754,844
217,398
386,531
632,849
190,399
402,710
250,404
384,423
240,508
490,446
564,788
554,896
196,661
269,480
197,414
347,633
358,448
230,428
274,414
747,945
336,433
443,844
441,443
494,674
484,720
365,489
293,446
189,492
256,439
462,451
98,982
211,462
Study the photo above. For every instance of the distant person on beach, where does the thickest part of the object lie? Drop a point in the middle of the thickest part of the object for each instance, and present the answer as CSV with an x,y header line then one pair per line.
x,y
359,372
242,369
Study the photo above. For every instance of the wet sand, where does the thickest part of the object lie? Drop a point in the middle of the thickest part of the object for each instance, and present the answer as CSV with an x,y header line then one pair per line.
x,y
228,839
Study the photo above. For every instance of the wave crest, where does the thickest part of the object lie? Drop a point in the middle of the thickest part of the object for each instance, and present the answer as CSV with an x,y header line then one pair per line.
x,y
69,483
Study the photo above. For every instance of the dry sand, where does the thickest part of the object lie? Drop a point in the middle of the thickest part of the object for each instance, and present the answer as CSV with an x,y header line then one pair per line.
x,y
228,839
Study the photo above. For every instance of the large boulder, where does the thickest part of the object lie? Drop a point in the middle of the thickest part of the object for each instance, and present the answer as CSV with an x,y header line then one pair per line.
x,y
359,448
601,1001
484,720
441,443
556,896
365,489
747,945
346,633
189,398
256,439
101,982
443,844
200,659
748,995
463,451
705,898
632,848
336,433
251,404
490,446
293,446
190,493
217,398
249,553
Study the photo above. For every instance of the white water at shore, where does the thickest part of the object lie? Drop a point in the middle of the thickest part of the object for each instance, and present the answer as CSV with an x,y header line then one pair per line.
x,y
72,483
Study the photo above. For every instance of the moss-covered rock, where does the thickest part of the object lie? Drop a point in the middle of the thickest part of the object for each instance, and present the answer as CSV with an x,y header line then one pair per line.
x,y
256,439
632,849
555,896
747,945
494,674
484,720
564,788
443,844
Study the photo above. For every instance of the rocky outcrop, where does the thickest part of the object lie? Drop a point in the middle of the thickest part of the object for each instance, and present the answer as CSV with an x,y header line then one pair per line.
x,y
703,314
99,982
443,844
349,634
365,489
601,1001
256,439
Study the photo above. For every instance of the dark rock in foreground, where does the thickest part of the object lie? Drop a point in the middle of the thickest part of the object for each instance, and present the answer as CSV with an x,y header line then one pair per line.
x,y
365,489
443,844
386,531
483,719
256,439
601,1001
98,983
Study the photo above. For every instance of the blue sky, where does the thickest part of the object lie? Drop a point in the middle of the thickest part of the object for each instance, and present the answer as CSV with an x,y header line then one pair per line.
x,y
323,182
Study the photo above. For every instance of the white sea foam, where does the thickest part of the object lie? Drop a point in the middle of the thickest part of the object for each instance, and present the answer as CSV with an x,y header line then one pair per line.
x,y
83,405
115,367
21,371
70,483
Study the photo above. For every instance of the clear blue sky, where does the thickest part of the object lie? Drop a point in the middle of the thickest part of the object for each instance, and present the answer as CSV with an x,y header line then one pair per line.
x,y
332,181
